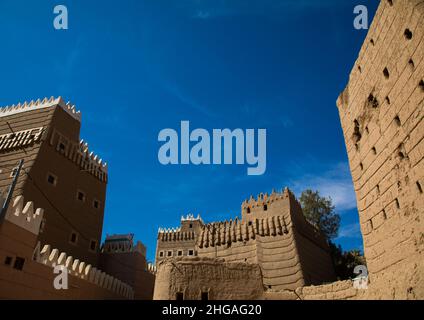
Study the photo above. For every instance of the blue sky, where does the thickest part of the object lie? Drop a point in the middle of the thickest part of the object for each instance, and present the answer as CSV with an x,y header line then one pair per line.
x,y
135,67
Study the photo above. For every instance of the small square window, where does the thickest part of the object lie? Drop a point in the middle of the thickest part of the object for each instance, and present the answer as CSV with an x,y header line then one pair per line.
x,y
180,253
191,226
96,204
190,252
73,238
8,261
161,254
169,253
52,179
93,245
19,263
81,196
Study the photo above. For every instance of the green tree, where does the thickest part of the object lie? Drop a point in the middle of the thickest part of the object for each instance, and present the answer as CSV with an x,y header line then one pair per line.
x,y
345,261
320,211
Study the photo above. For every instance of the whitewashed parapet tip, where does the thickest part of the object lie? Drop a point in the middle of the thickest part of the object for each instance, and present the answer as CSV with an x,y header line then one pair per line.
x,y
152,268
41,104
92,157
267,198
191,217
25,215
169,230
52,257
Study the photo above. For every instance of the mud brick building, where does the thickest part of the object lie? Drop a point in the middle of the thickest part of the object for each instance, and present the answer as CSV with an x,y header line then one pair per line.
x,y
52,196
272,235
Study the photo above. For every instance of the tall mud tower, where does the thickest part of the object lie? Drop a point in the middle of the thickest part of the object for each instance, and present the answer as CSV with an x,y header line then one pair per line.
x,y
381,112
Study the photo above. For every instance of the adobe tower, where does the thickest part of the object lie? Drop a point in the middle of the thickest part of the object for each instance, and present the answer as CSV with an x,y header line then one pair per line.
x,y
381,112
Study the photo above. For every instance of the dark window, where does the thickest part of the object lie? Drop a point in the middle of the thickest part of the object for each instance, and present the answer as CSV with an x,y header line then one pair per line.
x,y
8,261
96,204
205,296
250,223
190,252
81,196
191,225
19,263
61,147
265,207
93,245
74,237
248,210
180,253
51,179
179,296
161,254
169,253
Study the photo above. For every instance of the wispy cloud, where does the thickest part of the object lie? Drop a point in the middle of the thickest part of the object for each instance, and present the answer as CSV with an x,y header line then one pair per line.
x,y
187,99
334,182
350,231
209,9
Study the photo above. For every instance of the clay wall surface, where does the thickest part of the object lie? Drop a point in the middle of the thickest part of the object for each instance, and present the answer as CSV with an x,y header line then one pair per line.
x,y
131,268
220,280
381,112
57,152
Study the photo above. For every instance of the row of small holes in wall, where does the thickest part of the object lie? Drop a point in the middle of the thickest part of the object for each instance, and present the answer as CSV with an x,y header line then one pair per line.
x,y
408,36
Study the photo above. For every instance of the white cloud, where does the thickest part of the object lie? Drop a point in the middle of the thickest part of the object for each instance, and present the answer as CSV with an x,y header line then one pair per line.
x,y
335,182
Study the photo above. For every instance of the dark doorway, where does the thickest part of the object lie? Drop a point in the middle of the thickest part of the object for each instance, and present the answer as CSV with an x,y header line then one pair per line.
x,y
205,296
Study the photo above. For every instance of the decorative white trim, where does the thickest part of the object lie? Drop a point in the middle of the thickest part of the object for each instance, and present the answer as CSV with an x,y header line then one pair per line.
x,y
41,104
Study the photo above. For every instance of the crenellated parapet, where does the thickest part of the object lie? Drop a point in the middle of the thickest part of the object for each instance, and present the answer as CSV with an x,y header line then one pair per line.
x,y
80,154
41,104
122,243
175,234
191,217
152,268
24,215
227,232
53,257
265,198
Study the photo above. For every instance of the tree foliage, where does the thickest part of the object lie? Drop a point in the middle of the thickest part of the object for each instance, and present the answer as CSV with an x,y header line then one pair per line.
x,y
345,261
320,211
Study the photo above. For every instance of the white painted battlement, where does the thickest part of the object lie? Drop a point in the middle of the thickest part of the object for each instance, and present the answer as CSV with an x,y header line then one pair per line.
x,y
92,158
24,215
41,104
190,217
152,268
53,257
